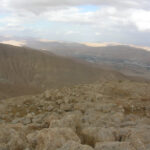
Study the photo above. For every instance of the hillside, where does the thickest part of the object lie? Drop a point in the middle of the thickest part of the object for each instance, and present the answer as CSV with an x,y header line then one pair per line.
x,y
126,59
120,52
108,115
28,71
84,106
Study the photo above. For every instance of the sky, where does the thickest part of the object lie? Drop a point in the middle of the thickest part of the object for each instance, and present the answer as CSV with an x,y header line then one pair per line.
x,y
98,21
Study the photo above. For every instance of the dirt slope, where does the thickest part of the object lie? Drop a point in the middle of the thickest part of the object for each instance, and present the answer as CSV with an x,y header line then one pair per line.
x,y
26,71
111,115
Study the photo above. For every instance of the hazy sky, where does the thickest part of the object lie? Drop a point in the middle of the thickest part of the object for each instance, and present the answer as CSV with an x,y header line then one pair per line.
x,y
123,21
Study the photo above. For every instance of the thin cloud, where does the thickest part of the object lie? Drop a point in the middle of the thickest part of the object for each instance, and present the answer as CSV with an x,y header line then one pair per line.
x,y
115,20
32,4
15,43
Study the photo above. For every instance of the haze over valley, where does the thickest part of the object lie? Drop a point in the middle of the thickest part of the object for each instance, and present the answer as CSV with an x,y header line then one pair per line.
x,y
127,59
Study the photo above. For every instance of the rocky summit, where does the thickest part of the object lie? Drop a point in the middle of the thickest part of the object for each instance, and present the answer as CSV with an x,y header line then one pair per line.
x,y
109,115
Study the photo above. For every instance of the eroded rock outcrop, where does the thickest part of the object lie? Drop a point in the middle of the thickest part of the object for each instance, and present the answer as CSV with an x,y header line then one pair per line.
x,y
114,146
52,138
71,145
85,117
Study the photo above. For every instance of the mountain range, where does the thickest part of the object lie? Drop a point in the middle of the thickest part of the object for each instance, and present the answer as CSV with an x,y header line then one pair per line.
x,y
126,59
62,102
28,71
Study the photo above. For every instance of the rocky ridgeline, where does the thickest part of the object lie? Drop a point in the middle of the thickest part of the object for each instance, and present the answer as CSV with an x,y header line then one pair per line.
x,y
101,116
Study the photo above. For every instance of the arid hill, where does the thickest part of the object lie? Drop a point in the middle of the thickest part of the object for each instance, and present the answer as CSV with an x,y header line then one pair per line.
x,y
28,71
123,58
105,111
109,115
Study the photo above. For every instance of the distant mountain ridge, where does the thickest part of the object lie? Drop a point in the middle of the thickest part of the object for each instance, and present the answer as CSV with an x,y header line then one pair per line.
x,y
25,71
123,58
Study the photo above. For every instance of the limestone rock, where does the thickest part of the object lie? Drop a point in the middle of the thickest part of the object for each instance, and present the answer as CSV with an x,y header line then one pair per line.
x,y
26,121
91,135
114,146
71,145
99,114
66,107
53,138
49,118
11,139
140,138
72,121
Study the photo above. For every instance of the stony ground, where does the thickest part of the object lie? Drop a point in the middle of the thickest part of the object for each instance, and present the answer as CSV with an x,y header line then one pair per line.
x,y
112,115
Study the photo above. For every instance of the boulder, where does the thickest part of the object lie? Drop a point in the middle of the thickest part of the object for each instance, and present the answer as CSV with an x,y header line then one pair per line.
x,y
71,145
49,118
140,138
66,107
72,121
92,135
12,138
114,146
52,138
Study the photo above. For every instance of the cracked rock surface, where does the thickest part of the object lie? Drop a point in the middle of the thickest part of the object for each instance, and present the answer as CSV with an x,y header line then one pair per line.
x,y
112,115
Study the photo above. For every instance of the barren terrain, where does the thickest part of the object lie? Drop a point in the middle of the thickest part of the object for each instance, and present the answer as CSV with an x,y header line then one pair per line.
x,y
109,115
